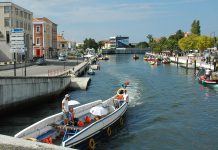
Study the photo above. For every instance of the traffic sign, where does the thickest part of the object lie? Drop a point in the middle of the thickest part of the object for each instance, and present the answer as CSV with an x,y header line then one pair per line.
x,y
17,44
17,30
17,50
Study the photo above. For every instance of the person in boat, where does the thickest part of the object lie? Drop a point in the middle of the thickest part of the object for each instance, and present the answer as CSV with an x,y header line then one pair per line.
x,y
126,96
208,73
97,117
71,116
65,109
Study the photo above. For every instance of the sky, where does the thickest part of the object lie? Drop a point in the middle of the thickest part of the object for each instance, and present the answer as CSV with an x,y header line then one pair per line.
x,y
101,19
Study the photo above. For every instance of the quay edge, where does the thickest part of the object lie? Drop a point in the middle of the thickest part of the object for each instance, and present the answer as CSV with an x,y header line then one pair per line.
x,y
11,143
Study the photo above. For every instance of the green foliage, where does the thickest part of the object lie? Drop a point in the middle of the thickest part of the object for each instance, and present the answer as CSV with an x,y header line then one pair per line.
x,y
142,45
195,42
150,38
179,34
204,42
188,43
90,43
195,27
100,44
172,44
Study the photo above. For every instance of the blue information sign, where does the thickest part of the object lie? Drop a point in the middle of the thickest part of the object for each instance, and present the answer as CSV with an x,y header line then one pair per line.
x,y
17,30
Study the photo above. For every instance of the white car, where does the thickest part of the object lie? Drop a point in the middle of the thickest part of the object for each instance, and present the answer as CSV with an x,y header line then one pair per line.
x,y
62,58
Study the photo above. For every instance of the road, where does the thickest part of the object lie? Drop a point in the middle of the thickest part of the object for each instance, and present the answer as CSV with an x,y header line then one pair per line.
x,y
51,69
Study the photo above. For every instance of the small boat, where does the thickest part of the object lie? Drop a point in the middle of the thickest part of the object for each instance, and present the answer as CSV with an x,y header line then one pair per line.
x,y
207,77
135,57
152,62
52,129
166,60
90,71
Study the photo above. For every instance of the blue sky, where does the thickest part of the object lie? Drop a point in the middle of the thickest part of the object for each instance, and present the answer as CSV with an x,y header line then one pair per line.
x,y
101,19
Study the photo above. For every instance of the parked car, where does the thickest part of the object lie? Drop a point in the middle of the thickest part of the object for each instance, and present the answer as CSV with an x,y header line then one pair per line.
x,y
41,61
62,57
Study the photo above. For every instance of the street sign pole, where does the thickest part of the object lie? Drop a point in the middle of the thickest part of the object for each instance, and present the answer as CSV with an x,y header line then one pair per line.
x,y
17,44
14,64
25,62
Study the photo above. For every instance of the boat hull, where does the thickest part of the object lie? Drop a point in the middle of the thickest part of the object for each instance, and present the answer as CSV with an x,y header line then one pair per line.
x,y
46,126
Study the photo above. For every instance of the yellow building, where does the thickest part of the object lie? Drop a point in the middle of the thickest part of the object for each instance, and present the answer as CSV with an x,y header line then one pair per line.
x,y
62,44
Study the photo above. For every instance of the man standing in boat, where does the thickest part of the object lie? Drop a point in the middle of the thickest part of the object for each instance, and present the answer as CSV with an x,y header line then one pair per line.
x,y
65,108
126,96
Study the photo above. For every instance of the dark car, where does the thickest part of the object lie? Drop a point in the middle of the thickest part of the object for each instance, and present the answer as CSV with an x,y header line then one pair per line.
x,y
41,61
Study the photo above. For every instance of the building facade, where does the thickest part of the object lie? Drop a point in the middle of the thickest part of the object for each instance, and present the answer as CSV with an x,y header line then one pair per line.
x,y
62,44
44,38
13,16
117,42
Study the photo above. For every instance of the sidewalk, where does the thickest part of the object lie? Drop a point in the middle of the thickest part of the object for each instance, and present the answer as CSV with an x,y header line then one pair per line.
x,y
199,63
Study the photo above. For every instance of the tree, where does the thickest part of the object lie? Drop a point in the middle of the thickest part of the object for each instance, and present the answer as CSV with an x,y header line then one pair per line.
x,y
195,27
171,44
204,42
90,43
100,44
150,38
188,43
142,45
179,34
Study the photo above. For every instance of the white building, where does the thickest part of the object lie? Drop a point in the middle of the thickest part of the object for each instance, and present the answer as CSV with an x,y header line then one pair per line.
x,y
14,16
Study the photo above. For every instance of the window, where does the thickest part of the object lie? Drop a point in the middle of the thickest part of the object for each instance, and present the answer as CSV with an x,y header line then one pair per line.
x,y
17,24
38,29
12,23
7,22
25,15
21,13
29,26
37,41
7,9
25,26
21,24
16,10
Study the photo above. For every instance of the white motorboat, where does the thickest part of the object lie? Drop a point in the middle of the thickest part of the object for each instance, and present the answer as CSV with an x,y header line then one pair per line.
x,y
49,129
90,71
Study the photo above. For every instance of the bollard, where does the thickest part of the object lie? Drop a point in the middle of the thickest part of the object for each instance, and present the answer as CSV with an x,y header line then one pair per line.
x,y
214,66
177,63
187,64
195,64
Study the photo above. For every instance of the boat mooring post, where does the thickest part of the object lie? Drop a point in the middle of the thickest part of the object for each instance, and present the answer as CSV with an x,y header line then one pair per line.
x,y
177,62
186,64
214,66
195,64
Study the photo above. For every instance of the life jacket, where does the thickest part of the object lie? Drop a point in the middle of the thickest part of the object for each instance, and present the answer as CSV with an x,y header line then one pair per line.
x,y
119,97
80,124
87,119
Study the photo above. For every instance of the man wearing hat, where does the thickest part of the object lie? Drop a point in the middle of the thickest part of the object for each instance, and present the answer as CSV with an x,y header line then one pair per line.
x,y
65,108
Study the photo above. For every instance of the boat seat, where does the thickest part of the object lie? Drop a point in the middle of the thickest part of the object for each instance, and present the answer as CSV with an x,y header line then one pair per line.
x,y
46,135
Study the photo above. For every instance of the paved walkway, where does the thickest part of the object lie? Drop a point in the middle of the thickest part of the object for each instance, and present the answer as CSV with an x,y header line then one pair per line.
x,y
199,63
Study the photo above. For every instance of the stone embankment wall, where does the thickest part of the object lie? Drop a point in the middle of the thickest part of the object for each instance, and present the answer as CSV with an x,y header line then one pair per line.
x,y
25,90
11,143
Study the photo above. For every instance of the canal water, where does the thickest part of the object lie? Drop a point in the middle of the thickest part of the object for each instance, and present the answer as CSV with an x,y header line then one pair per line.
x,y
168,109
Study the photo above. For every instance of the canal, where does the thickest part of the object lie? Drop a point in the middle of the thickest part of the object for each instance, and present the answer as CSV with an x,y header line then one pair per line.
x,y
168,109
